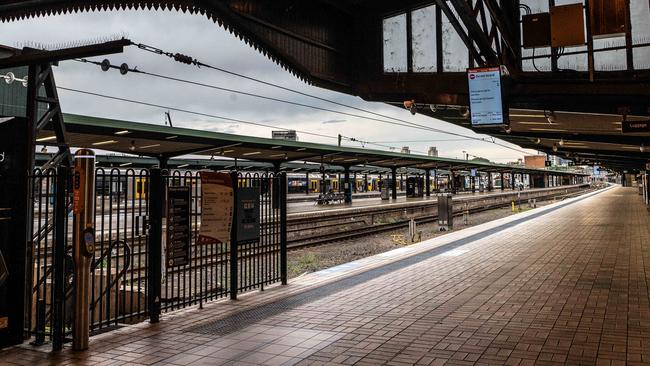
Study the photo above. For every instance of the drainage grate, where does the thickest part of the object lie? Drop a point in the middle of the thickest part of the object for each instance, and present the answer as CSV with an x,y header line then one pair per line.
x,y
251,316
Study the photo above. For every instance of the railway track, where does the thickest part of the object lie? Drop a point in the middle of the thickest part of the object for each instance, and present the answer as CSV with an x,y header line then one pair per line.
x,y
376,229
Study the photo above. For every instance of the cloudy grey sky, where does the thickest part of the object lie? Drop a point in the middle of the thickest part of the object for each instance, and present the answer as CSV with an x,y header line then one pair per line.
x,y
197,36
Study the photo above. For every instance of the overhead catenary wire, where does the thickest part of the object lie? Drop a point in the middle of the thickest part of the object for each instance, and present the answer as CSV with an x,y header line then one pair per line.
x,y
193,61
402,123
274,99
182,110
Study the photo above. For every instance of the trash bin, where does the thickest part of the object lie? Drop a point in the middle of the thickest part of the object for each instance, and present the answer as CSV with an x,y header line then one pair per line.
x,y
385,193
445,212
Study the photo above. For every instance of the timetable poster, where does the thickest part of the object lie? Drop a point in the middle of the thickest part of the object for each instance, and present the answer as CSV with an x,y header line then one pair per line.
x,y
216,207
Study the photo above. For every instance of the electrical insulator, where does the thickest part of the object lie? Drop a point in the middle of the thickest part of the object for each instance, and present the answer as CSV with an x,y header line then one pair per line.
x,y
183,58
105,65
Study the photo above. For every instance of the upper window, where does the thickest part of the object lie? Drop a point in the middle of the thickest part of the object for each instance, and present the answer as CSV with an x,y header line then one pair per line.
x,y
423,39
395,52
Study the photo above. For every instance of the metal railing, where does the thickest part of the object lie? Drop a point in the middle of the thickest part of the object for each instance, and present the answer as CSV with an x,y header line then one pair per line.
x,y
129,279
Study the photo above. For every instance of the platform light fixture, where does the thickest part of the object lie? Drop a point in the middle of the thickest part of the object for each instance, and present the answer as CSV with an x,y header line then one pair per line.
x,y
107,142
183,165
48,138
554,147
132,147
561,142
642,148
252,153
149,146
123,132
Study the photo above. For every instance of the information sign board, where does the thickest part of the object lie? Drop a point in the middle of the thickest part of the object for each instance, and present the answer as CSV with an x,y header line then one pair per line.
x,y
486,100
177,247
635,126
248,214
216,207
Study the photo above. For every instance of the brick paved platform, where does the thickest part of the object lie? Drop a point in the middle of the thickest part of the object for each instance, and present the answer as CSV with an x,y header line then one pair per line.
x,y
564,284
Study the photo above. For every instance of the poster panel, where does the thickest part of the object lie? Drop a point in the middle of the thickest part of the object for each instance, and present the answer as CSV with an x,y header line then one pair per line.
x,y
216,207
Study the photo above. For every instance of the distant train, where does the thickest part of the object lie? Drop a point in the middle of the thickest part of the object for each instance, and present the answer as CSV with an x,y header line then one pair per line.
x,y
298,184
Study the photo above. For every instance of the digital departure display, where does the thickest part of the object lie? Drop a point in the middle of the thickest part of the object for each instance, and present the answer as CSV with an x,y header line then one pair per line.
x,y
486,97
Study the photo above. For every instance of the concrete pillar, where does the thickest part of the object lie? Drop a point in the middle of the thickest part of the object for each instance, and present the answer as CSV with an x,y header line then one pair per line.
x,y
394,182
365,182
378,182
427,182
473,183
306,183
347,185
355,182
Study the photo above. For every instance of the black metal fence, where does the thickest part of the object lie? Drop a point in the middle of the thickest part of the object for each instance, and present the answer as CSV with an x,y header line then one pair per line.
x,y
118,293
130,281
206,276
49,302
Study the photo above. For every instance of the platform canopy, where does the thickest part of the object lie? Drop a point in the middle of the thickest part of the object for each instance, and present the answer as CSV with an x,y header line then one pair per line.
x,y
165,142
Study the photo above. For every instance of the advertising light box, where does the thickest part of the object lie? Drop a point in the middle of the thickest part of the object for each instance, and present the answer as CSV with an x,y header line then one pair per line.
x,y
486,97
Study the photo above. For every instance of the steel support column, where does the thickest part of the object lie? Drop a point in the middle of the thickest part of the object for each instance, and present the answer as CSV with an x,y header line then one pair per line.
x,y
365,182
435,180
283,227
154,254
503,186
347,186
452,184
394,182
427,182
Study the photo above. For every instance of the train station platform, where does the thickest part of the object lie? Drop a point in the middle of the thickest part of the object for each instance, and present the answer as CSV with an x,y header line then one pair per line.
x,y
294,207
563,284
